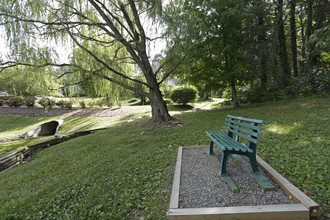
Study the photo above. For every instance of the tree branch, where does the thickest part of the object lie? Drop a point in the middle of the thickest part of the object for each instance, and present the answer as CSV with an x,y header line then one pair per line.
x,y
102,62
170,72
117,33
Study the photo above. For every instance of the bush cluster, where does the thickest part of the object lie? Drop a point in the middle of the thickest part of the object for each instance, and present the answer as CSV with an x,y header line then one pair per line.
x,y
82,104
64,104
30,101
15,102
183,95
46,102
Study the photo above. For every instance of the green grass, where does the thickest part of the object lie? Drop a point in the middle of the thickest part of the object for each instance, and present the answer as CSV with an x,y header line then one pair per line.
x,y
126,172
14,126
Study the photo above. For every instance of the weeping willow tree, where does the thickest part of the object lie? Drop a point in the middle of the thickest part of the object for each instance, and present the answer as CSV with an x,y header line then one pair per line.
x,y
25,81
109,35
96,85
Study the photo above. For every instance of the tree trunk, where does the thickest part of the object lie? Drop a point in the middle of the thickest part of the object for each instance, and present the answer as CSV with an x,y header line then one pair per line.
x,y
234,93
309,32
262,44
285,78
158,106
159,109
309,28
293,38
303,42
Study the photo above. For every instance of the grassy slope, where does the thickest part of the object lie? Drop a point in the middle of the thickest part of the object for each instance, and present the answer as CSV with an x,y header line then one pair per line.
x,y
12,126
127,171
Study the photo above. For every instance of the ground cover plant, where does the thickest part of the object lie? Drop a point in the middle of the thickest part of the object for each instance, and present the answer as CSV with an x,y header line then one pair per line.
x,y
126,172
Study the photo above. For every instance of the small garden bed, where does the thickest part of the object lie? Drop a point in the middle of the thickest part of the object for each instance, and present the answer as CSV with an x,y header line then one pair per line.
x,y
199,193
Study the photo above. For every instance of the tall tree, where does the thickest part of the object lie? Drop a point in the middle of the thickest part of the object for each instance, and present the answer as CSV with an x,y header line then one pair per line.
x,y
93,23
293,37
283,54
213,39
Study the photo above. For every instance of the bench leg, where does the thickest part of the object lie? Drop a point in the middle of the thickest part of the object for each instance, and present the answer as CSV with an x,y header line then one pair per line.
x,y
211,152
224,160
253,162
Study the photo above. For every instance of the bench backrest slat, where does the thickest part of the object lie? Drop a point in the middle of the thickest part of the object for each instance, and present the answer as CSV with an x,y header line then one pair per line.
x,y
245,128
251,139
241,129
244,124
256,121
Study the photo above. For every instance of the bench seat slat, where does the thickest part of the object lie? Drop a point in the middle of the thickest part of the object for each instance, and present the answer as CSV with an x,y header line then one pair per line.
x,y
242,135
225,143
243,130
254,127
228,143
209,133
238,145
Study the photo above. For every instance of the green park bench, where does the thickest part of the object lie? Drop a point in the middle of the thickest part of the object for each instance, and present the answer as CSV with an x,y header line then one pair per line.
x,y
238,128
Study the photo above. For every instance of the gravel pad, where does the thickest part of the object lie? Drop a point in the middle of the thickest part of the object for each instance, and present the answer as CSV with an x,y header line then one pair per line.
x,y
201,186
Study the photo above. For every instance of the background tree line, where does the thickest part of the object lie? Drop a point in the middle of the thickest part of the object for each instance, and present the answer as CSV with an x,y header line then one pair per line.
x,y
260,49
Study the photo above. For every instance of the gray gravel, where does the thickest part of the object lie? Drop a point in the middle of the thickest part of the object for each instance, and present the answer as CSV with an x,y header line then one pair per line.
x,y
201,186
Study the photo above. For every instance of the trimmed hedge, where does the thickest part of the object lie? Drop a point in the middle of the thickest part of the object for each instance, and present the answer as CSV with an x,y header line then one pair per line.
x,y
183,95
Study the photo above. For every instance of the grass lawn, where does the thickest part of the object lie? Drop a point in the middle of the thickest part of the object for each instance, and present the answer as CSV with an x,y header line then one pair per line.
x,y
126,172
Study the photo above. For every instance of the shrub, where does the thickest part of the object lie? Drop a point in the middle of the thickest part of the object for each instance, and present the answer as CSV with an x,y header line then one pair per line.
x,y
46,102
227,94
15,101
91,104
68,105
30,101
256,95
60,103
100,103
109,104
183,95
119,103
82,104
1,102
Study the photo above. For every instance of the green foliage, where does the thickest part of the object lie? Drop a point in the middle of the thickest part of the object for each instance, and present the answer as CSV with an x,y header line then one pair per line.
x,y
183,95
30,101
82,104
2,101
256,95
47,103
60,103
15,101
213,38
28,81
227,94
100,102
68,104
91,104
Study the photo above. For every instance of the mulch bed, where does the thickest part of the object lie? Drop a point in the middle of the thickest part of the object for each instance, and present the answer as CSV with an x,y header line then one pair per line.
x,y
40,112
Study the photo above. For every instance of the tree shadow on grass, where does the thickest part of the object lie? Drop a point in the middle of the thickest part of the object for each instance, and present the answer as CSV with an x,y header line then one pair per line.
x,y
181,108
